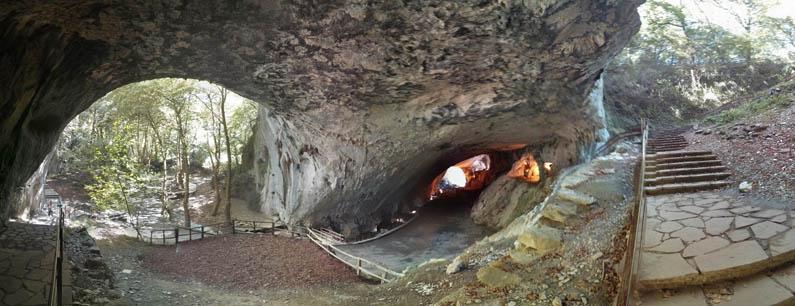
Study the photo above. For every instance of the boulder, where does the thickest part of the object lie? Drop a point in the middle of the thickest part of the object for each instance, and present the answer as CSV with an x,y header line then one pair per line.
x,y
560,211
495,277
505,199
745,187
545,239
579,198
94,263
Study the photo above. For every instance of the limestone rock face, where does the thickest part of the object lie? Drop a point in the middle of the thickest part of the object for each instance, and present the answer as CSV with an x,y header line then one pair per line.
x,y
505,199
360,99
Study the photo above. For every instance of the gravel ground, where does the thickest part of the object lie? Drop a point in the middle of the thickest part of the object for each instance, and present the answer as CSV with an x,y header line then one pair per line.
x,y
766,160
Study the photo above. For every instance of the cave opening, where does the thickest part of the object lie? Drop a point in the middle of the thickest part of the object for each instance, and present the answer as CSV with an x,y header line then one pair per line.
x,y
461,186
153,154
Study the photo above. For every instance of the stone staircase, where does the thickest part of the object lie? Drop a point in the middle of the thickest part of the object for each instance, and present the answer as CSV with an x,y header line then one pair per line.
x,y
702,247
670,168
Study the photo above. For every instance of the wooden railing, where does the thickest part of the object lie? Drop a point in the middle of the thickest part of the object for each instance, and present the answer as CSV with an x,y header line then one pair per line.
x,y
361,265
251,226
56,290
322,237
175,235
631,132
635,240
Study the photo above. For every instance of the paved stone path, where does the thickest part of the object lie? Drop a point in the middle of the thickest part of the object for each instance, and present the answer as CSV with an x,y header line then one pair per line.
x,y
694,237
26,263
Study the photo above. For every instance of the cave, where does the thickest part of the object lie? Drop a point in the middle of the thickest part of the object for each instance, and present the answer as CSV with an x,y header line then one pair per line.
x,y
357,100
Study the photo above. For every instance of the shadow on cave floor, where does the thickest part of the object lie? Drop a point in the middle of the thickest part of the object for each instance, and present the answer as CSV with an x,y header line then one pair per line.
x,y
443,229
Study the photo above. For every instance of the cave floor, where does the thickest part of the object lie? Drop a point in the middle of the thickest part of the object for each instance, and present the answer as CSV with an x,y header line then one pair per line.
x,y
440,231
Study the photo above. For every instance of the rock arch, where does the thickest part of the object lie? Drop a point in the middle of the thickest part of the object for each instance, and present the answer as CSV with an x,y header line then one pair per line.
x,y
353,93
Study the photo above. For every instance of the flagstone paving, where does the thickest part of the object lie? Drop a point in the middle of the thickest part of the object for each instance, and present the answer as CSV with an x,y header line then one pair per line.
x,y
714,248
26,263
758,290
727,234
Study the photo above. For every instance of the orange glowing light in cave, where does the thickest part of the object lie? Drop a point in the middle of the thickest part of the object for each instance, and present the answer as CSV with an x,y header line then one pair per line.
x,y
470,174
527,168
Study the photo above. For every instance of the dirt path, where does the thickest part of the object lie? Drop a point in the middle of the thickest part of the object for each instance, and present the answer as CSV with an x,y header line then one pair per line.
x,y
134,265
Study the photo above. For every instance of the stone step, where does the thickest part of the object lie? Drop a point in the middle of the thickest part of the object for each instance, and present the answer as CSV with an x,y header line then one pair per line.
x,y
667,144
684,171
676,153
662,137
760,289
654,151
702,177
690,164
666,140
655,147
684,187
671,140
679,159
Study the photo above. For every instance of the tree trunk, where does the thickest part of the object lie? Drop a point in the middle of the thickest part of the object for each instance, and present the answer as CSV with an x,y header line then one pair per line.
x,y
129,211
216,164
228,194
163,189
186,170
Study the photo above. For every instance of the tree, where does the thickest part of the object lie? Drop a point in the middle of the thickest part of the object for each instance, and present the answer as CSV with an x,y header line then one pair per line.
x,y
241,125
228,195
208,98
118,179
141,103
176,95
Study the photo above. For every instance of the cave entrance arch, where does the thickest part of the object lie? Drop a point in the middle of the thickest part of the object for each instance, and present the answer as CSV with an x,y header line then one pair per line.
x,y
142,142
347,88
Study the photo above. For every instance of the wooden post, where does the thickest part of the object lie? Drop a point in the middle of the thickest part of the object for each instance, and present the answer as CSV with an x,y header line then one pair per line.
x,y
176,235
190,234
202,231
273,228
164,237
384,276
359,267
253,226
233,227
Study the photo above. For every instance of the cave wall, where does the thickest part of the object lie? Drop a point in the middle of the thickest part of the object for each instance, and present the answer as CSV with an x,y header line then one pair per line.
x,y
358,98
26,200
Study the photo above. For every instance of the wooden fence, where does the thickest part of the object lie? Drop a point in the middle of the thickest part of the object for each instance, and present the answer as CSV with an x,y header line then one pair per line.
x,y
322,237
252,227
362,266
179,234
635,240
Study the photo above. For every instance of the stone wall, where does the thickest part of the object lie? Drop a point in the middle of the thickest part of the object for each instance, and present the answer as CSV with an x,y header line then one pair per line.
x,y
360,99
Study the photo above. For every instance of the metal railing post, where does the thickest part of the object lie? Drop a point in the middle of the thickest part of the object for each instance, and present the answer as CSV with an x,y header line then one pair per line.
x,y
233,227
202,232
176,235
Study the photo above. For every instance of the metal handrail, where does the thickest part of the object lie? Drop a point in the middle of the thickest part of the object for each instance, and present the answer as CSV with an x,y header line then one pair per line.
x,y
635,239
56,289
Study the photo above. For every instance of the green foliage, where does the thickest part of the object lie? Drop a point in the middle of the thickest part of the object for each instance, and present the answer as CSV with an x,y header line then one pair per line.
x,y
767,101
116,175
136,136
673,34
